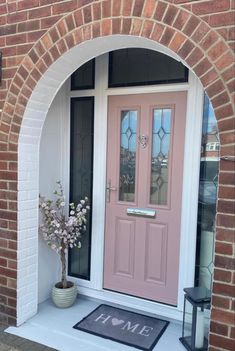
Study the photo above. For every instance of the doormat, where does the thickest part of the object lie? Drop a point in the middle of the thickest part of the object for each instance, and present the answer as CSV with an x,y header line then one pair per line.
x,y
129,328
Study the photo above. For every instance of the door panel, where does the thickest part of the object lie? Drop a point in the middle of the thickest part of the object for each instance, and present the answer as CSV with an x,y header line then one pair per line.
x,y
155,253
144,170
124,237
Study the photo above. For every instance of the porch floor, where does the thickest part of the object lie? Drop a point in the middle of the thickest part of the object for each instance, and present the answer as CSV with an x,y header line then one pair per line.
x,y
53,327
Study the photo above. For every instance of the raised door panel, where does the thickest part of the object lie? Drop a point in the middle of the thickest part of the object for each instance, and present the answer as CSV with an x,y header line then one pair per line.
x,y
124,247
155,253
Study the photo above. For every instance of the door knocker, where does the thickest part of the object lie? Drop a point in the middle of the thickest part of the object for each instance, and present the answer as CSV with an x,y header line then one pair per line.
x,y
143,139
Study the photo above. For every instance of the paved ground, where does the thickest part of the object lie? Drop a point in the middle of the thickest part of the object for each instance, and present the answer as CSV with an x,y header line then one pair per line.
x,y
9,342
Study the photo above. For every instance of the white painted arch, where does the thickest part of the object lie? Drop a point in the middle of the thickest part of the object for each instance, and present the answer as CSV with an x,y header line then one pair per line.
x,y
28,164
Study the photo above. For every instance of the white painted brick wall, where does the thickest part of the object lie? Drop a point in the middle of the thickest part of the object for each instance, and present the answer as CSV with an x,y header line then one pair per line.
x,y
28,190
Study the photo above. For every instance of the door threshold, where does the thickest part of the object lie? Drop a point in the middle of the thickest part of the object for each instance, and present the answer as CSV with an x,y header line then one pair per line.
x,y
139,297
133,303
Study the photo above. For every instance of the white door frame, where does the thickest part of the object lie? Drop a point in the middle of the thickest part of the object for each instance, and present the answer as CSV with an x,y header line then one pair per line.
x,y
28,174
94,287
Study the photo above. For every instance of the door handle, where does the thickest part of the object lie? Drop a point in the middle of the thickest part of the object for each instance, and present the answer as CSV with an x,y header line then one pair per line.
x,y
109,188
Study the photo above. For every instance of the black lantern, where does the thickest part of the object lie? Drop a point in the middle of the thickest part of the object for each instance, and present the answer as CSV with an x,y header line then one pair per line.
x,y
200,299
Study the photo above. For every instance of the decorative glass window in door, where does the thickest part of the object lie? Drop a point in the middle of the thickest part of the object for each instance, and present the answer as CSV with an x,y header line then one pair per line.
x,y
207,197
161,137
128,130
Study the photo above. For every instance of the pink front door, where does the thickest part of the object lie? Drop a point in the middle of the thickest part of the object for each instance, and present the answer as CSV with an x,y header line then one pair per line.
x,y
144,194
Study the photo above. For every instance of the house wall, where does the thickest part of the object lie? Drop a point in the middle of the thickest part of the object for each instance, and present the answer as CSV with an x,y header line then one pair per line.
x,y
50,169
33,34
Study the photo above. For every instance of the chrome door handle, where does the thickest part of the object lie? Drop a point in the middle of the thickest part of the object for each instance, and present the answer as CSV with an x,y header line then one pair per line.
x,y
109,188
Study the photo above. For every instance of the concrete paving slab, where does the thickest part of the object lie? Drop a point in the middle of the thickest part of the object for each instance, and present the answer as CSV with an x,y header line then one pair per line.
x,y
9,342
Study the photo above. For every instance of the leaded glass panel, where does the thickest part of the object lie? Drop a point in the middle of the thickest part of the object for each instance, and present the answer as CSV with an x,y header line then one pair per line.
x,y
128,130
209,169
161,136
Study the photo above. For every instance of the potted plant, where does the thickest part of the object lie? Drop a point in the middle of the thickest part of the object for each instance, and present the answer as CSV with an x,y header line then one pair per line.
x,y
62,232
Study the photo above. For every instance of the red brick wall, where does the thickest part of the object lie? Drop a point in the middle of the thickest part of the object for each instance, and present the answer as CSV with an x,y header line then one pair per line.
x,y
35,33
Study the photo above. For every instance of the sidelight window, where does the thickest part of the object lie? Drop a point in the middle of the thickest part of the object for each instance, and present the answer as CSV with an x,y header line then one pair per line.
x,y
81,176
208,182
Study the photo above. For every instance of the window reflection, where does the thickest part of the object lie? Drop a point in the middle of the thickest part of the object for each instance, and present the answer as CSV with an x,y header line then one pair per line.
x,y
207,196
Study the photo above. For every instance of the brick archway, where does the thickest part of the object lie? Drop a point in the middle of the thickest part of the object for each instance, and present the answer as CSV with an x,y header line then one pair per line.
x,y
192,39
202,48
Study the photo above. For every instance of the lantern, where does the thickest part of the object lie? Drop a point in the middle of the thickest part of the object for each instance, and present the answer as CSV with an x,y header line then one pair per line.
x,y
199,298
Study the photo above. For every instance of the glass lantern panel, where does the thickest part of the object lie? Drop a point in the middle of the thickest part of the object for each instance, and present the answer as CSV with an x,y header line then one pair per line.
x,y
194,332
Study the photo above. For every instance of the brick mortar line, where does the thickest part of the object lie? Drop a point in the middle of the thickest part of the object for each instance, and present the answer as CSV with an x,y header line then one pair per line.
x,y
151,33
220,92
28,9
225,256
226,131
225,269
225,119
205,15
226,228
226,27
9,269
222,336
231,65
225,184
6,248
154,9
226,145
132,7
224,104
222,255
221,308
193,2
227,200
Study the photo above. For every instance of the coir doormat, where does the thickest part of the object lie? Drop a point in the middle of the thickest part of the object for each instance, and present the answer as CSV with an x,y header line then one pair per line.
x,y
129,328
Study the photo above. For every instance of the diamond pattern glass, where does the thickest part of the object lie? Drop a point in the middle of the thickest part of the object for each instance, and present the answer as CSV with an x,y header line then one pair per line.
x,y
207,197
127,155
160,154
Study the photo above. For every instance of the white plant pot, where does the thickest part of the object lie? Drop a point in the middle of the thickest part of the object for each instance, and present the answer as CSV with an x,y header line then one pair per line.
x,y
64,298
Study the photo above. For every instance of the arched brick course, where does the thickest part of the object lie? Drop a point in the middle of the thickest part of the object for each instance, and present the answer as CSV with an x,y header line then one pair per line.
x,y
200,46
186,29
